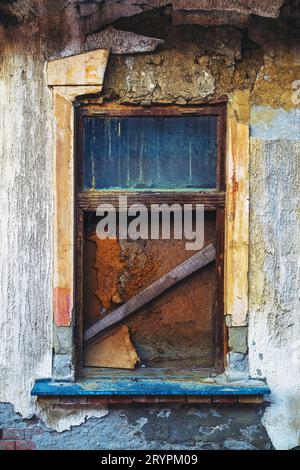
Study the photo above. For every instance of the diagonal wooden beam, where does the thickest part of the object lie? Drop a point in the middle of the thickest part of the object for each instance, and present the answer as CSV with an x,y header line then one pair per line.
x,y
195,262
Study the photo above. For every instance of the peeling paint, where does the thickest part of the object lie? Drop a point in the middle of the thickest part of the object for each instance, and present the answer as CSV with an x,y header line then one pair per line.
x,y
237,209
62,306
268,123
275,89
274,315
62,419
26,248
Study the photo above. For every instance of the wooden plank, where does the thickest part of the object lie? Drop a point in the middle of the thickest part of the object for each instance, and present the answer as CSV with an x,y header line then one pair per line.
x,y
111,109
199,260
220,339
90,200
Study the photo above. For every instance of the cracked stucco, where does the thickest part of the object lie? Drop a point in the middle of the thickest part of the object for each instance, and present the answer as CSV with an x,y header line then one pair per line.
x,y
26,195
274,317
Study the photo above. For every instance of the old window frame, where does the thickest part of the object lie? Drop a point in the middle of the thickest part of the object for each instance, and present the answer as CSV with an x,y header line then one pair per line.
x,y
74,76
213,200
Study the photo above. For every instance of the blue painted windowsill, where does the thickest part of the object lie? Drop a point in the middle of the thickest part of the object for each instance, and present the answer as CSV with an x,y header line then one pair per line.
x,y
125,383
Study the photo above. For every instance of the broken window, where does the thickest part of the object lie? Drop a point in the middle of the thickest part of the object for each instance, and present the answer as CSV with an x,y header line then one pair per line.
x,y
128,316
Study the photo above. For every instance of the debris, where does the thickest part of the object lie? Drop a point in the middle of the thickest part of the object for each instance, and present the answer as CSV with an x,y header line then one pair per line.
x,y
115,350
192,264
121,42
109,266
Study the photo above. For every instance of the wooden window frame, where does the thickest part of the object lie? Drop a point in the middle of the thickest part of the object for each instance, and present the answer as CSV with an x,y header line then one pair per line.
x,y
71,78
213,200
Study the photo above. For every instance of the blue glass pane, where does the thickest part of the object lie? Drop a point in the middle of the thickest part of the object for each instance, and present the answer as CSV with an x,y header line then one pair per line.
x,y
150,152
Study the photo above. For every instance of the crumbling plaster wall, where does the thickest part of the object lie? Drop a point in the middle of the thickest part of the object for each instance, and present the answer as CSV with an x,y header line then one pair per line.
x,y
274,323
195,64
274,307
274,328
149,427
26,219
26,142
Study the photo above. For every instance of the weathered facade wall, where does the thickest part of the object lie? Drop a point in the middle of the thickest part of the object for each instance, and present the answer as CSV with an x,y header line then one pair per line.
x,y
274,303
144,427
194,64
26,221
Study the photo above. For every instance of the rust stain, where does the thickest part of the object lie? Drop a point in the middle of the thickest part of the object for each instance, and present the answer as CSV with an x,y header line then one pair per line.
x,y
234,191
237,209
235,183
62,306
63,217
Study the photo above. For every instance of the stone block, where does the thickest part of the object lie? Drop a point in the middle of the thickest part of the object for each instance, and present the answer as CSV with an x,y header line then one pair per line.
x,y
238,339
62,340
81,69
122,42
62,367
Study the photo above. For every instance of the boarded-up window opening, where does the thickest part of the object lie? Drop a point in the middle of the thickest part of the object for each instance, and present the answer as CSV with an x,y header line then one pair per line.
x,y
183,328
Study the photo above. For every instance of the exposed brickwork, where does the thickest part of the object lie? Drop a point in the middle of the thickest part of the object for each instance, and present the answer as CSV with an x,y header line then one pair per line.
x,y
7,445
120,400
50,400
13,434
98,401
126,400
33,432
192,399
251,399
70,400
25,445
230,399
14,439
